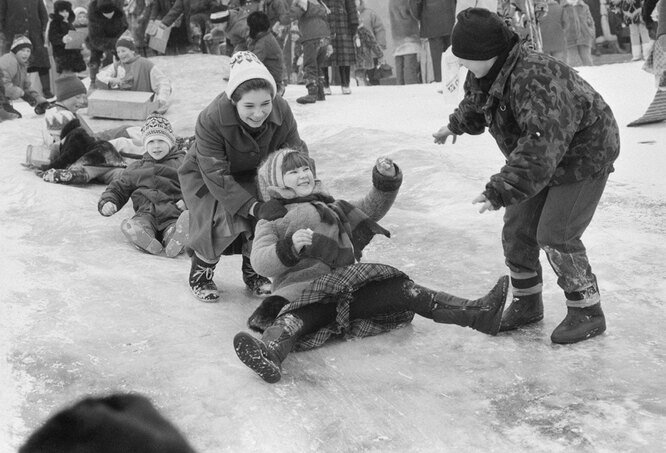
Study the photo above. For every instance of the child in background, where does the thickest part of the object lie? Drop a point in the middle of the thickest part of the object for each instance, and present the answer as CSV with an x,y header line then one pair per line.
x,y
312,16
579,31
62,22
153,186
219,19
322,292
264,45
15,80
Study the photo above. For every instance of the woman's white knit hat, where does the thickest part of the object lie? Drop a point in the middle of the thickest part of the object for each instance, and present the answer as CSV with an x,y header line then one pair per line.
x,y
244,66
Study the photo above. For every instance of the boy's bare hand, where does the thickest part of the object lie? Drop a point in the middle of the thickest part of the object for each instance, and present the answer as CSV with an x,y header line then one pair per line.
x,y
385,166
301,238
486,205
442,134
109,209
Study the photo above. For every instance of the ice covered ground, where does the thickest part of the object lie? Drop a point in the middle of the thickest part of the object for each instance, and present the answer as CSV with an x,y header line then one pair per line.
x,y
82,312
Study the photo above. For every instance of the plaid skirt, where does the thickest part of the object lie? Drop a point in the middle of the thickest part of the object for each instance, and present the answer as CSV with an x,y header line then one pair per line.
x,y
656,61
338,287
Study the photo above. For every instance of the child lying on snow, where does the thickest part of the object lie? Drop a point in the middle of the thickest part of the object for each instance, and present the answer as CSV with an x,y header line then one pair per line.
x,y
318,289
153,185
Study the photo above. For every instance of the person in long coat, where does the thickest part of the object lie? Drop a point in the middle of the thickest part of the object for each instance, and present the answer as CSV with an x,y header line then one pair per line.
x,y
343,22
233,135
436,18
28,18
62,20
179,38
106,22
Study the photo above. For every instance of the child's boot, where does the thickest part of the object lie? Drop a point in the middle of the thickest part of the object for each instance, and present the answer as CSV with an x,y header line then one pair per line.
x,y
482,314
523,310
258,285
265,356
581,323
64,176
321,96
201,280
177,235
311,97
137,235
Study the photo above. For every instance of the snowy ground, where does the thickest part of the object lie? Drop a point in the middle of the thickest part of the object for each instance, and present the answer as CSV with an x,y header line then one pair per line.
x,y
82,312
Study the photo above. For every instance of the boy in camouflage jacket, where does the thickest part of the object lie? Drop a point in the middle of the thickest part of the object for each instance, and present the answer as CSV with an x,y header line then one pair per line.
x,y
560,140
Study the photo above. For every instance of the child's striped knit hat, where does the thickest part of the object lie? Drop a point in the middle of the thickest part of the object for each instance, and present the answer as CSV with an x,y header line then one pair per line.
x,y
20,42
157,127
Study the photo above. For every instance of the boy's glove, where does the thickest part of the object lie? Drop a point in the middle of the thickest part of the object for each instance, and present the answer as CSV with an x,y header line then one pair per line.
x,y
41,107
269,210
108,209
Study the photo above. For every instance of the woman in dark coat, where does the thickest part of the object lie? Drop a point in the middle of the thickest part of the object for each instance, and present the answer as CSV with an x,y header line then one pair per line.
x,y
436,18
29,18
179,37
106,22
62,19
343,22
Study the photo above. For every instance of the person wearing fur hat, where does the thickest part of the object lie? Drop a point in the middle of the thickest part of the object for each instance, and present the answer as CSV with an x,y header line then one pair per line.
x,y
560,139
233,135
264,45
135,73
117,423
106,22
30,19
62,22
320,289
15,80
153,185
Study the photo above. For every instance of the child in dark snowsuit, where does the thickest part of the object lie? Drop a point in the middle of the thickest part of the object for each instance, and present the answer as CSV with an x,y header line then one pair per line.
x,y
264,45
62,22
106,22
560,139
319,289
153,185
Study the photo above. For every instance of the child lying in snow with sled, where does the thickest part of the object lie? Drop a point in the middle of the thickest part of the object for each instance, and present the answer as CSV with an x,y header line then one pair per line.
x,y
319,291
153,185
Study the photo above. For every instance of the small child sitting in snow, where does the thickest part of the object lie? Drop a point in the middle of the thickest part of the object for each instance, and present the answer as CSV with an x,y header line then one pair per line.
x,y
153,185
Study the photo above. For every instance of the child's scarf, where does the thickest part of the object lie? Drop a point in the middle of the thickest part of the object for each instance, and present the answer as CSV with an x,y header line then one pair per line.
x,y
343,233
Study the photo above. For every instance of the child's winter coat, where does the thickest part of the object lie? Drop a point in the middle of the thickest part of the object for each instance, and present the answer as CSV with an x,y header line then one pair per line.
x,y
66,59
139,74
578,24
269,52
16,82
312,23
153,186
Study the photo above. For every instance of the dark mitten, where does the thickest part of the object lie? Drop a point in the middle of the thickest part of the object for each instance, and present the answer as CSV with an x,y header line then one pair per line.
x,y
41,107
269,210
266,312
8,108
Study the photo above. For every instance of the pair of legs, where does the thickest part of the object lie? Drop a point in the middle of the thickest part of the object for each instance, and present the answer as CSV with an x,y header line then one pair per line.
x,y
407,69
45,80
640,41
437,47
314,58
583,51
377,298
345,75
554,220
83,175
146,234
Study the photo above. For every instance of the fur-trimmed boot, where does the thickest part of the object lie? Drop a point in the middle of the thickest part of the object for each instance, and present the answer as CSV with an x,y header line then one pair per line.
x,y
482,314
321,96
258,285
64,176
201,280
265,356
522,310
311,97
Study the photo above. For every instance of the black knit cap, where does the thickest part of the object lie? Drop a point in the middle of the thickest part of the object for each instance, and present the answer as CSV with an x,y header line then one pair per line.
x,y
479,35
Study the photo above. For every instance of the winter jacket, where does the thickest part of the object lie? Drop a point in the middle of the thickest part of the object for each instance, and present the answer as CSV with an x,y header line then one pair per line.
x,y
269,52
550,124
29,18
631,10
277,11
371,21
237,29
218,174
16,82
343,22
65,59
312,23
187,8
102,32
153,186
435,16
578,24
552,29
404,28
292,274
139,74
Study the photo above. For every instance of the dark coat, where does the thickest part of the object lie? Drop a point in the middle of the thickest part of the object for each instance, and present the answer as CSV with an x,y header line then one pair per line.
x,y
277,11
187,8
29,18
153,186
343,22
550,124
218,177
65,59
102,32
435,16
269,52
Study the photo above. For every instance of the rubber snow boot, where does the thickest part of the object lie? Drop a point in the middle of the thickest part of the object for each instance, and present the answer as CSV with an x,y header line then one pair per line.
x,y
311,97
201,280
482,314
137,235
522,311
177,236
11,110
265,356
256,284
580,324
321,96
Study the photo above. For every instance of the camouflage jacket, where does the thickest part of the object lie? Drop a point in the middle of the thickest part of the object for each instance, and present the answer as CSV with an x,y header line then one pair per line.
x,y
550,124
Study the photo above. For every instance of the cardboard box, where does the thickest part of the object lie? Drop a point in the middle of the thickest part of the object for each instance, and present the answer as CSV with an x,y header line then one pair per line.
x,y
122,105
158,40
78,38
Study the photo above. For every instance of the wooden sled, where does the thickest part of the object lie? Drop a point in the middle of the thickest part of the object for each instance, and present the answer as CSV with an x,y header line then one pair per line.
x,y
655,113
